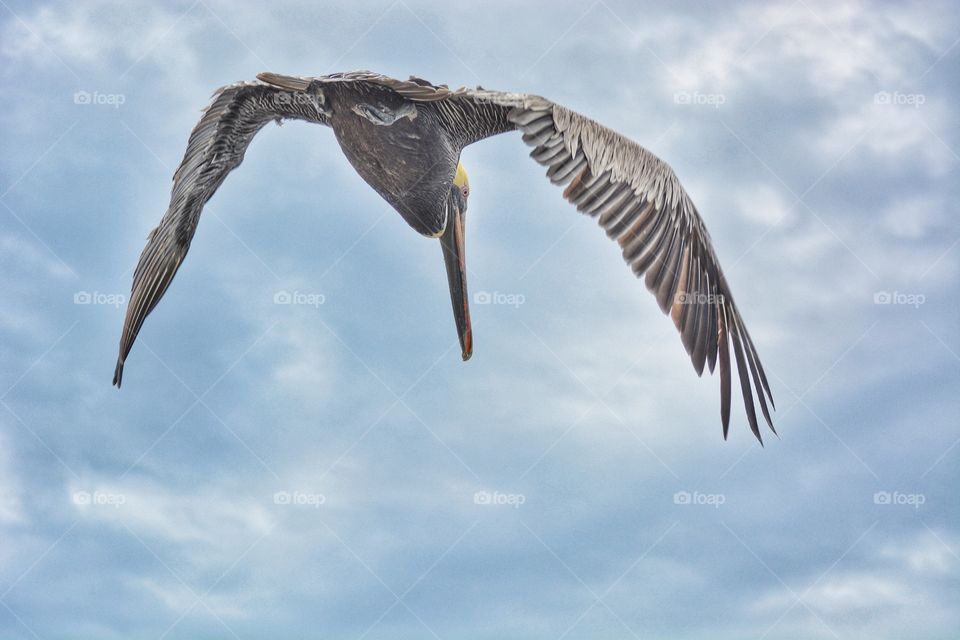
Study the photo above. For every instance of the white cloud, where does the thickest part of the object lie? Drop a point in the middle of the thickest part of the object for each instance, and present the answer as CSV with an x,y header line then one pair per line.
x,y
95,33
914,217
896,135
927,553
11,506
764,204
858,593
32,258
180,598
835,44
900,581
308,357
208,516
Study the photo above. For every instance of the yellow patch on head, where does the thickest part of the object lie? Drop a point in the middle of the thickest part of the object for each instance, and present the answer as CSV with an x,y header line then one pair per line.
x,y
461,178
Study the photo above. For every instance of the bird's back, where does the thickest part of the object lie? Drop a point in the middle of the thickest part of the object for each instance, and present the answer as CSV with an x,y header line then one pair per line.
x,y
400,148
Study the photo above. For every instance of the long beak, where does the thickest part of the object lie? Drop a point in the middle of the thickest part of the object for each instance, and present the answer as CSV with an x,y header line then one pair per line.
x,y
454,257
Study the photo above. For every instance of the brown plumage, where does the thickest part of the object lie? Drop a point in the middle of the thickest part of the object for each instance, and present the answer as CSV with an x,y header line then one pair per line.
x,y
404,137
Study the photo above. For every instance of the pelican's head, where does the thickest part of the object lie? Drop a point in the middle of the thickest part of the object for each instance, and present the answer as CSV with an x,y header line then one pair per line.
x,y
452,240
461,181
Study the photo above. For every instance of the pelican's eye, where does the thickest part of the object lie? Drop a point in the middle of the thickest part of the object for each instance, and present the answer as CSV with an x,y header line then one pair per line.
x,y
465,190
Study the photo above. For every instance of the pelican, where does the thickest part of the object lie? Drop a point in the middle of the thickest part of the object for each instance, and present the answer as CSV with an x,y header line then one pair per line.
x,y
404,138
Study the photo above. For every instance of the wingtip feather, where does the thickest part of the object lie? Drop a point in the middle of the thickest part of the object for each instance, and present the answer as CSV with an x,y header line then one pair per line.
x,y
724,354
118,374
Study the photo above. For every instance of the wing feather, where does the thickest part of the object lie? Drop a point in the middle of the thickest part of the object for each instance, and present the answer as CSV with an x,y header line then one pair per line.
x,y
744,381
724,356
216,147
639,202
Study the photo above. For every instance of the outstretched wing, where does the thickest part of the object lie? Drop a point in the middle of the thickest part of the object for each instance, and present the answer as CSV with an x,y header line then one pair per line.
x,y
641,205
638,200
216,147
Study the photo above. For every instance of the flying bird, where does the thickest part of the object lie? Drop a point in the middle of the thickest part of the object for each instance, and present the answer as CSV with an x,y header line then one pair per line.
x,y
404,138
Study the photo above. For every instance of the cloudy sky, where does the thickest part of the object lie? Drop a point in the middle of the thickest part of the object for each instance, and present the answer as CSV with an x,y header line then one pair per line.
x,y
331,469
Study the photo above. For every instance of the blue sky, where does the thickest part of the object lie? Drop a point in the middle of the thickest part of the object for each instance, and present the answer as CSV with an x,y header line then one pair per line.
x,y
324,469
